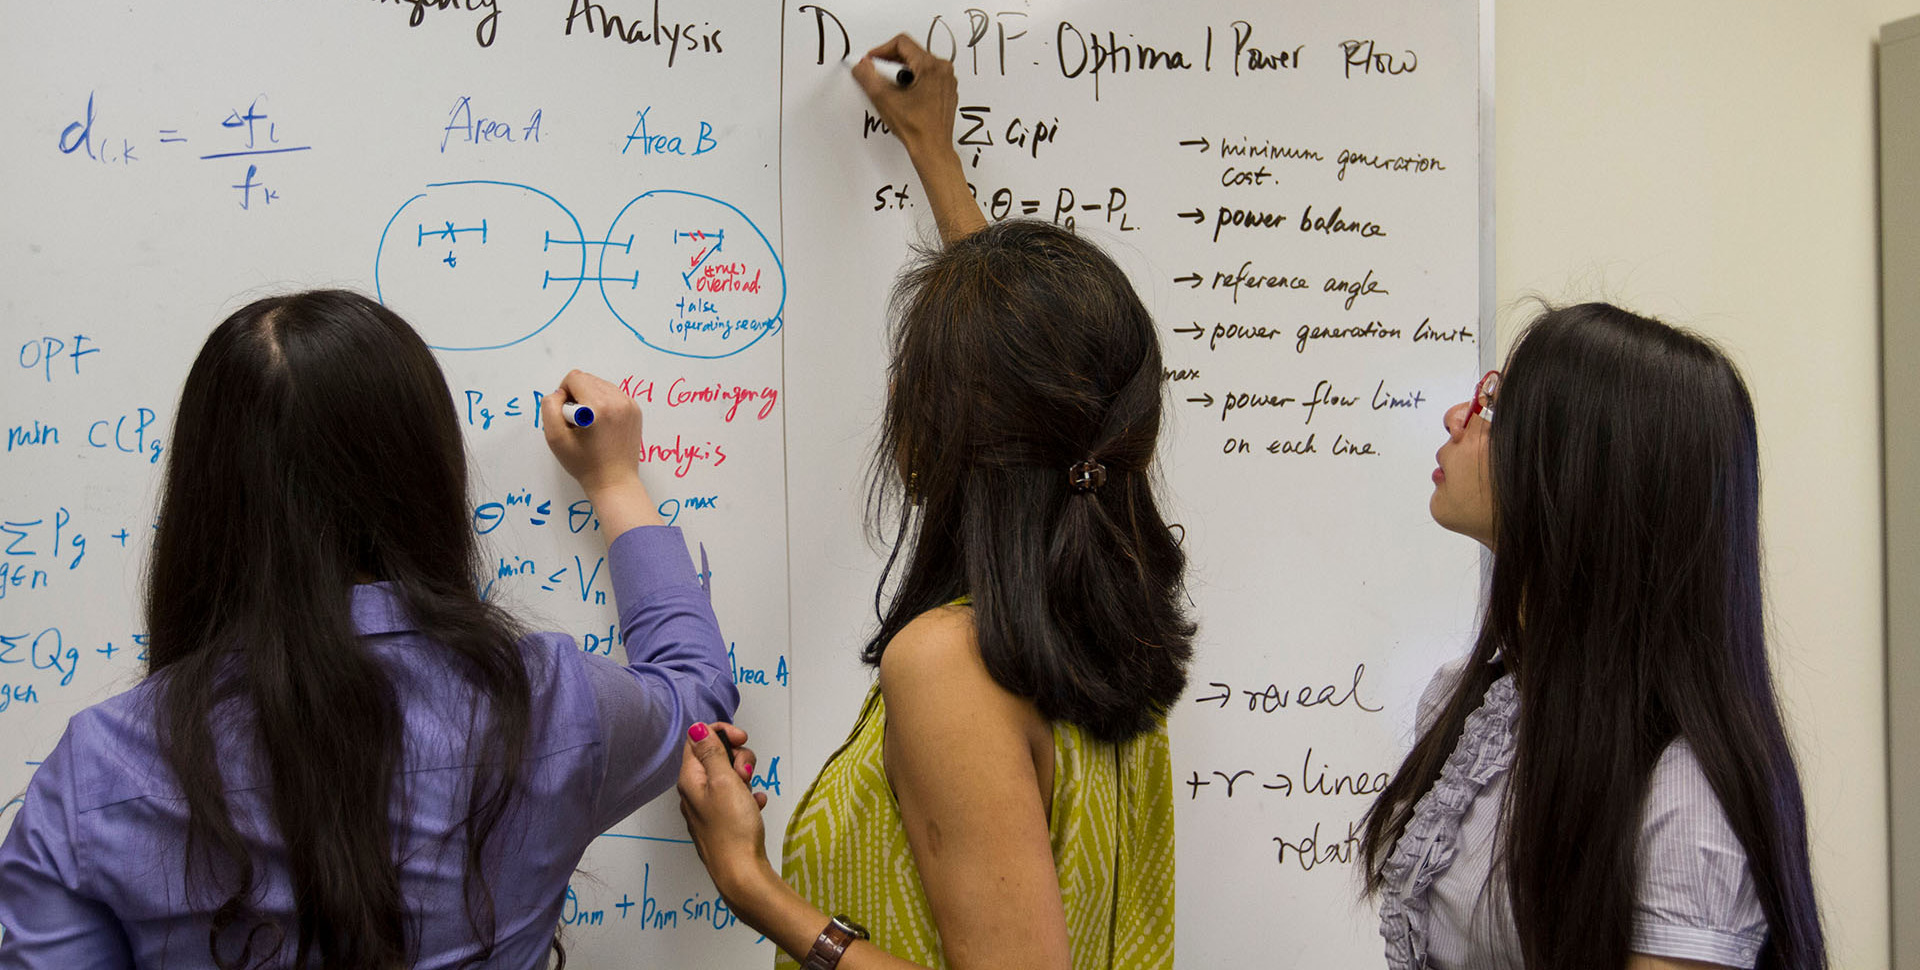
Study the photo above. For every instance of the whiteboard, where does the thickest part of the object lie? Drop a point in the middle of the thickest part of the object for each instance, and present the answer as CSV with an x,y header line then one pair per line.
x,y
691,200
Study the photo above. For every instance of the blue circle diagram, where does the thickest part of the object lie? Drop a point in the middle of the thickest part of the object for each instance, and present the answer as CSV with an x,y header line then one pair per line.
x,y
691,275
480,265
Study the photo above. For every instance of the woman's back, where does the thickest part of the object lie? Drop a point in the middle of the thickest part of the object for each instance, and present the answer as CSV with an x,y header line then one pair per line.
x,y
125,819
342,753
1110,819
105,816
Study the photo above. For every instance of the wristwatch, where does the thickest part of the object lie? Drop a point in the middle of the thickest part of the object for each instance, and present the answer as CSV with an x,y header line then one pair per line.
x,y
832,944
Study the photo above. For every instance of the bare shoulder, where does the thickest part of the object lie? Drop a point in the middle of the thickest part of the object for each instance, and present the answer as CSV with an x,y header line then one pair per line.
x,y
933,669
936,646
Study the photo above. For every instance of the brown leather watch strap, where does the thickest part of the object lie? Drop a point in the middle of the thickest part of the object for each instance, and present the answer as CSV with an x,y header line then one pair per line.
x,y
832,944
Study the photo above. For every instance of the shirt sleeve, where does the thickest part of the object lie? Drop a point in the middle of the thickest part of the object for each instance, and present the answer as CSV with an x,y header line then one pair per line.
x,y
1434,697
1696,897
48,920
677,670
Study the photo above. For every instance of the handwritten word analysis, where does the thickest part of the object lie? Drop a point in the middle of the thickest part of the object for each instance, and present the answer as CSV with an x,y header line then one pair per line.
x,y
645,31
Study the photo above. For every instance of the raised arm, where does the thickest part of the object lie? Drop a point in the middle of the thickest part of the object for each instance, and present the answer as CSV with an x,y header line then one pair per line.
x,y
921,116
677,672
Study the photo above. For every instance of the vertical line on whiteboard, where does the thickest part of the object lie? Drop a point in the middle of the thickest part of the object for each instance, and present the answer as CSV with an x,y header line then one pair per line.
x,y
786,439
1489,341
1489,337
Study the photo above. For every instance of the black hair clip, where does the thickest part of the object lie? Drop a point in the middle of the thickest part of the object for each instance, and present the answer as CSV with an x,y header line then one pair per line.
x,y
1087,476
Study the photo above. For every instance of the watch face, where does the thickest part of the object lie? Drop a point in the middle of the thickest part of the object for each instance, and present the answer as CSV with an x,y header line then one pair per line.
x,y
859,932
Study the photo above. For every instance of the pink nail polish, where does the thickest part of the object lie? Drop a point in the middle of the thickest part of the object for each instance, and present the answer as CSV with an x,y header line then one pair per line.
x,y
698,731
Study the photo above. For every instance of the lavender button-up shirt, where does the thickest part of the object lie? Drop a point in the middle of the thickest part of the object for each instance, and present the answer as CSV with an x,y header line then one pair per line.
x,y
91,872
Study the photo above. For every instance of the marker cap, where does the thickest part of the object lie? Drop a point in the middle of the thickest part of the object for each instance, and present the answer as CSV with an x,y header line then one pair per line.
x,y
578,415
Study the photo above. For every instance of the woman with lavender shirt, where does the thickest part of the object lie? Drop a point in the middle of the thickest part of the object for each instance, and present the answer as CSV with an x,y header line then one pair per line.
x,y
1604,782
341,755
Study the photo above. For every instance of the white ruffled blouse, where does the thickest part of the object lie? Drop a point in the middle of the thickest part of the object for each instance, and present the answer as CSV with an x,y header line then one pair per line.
x,y
1445,907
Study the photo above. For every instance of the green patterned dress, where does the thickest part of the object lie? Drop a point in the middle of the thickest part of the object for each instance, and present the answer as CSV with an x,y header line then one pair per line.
x,y
1111,828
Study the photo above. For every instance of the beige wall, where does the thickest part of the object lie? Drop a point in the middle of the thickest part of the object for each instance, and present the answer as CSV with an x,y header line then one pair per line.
x,y
1713,163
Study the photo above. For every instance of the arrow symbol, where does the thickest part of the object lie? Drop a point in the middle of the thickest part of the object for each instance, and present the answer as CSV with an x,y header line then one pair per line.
x,y
1202,142
1206,399
1226,693
1193,278
1194,214
1197,330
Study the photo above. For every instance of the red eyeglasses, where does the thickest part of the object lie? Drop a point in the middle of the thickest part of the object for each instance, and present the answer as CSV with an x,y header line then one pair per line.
x,y
1483,395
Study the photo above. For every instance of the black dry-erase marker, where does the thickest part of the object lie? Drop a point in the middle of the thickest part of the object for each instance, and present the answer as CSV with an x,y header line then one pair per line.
x,y
900,74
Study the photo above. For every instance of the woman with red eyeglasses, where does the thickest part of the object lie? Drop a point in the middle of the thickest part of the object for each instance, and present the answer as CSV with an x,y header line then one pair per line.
x,y
1604,781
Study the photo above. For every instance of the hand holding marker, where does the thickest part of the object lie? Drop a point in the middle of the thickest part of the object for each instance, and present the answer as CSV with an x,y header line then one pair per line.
x,y
606,463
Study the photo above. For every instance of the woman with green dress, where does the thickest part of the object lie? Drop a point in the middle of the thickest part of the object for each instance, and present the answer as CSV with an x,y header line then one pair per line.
x,y
1005,798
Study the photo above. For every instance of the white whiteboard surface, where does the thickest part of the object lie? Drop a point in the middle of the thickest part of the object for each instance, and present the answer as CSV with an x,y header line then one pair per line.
x,y
484,168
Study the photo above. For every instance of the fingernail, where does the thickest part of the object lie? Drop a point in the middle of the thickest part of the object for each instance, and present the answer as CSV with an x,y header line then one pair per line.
x,y
698,731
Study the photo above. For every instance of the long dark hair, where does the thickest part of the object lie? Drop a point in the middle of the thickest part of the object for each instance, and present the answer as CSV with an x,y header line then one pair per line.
x,y
315,445
1019,352
1626,600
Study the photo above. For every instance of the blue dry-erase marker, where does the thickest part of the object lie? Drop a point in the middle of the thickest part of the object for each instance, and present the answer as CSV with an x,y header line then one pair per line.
x,y
900,74
578,415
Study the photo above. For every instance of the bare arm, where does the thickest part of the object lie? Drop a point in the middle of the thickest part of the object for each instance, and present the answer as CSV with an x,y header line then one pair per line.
x,y
1641,961
921,116
676,671
961,756
723,816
